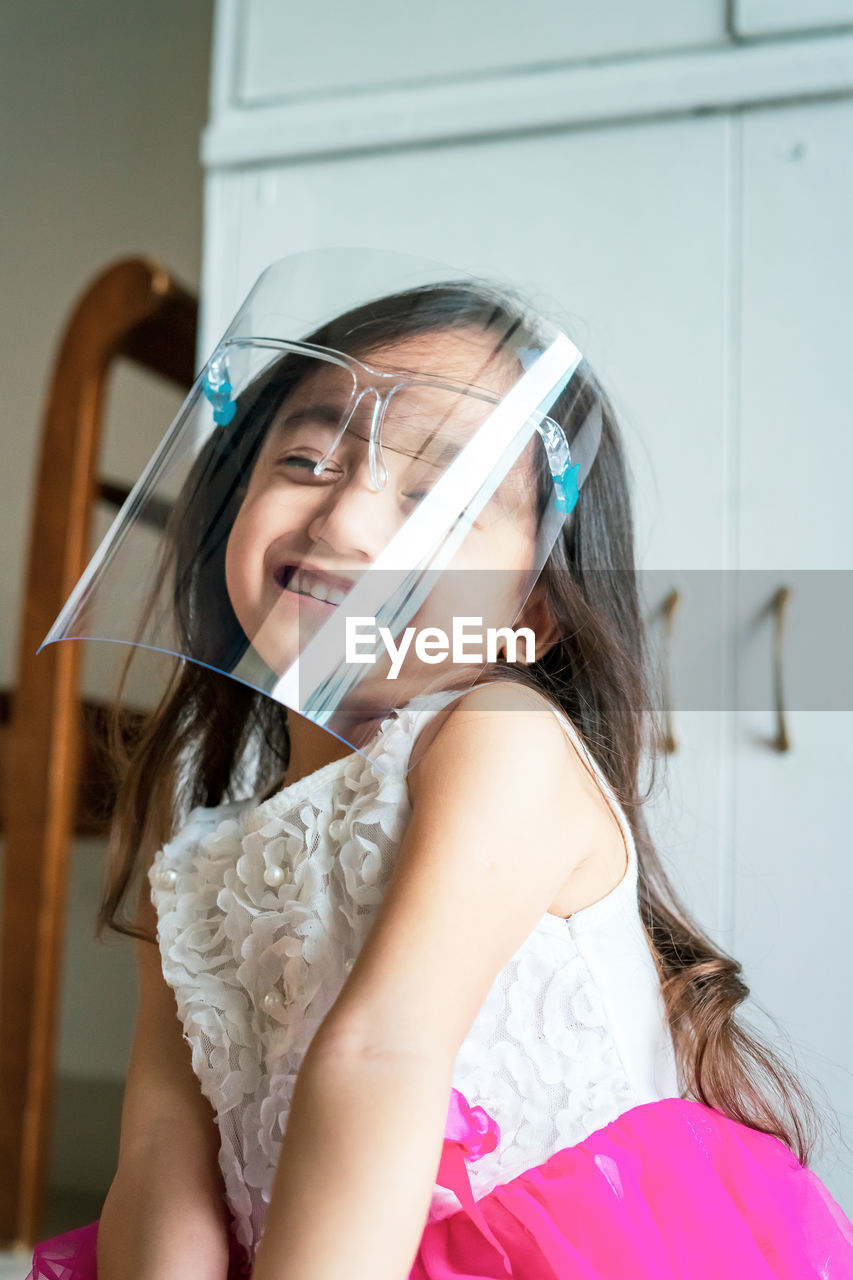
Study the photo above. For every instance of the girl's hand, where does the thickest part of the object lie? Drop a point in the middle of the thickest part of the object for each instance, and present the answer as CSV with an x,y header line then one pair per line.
x,y
165,1212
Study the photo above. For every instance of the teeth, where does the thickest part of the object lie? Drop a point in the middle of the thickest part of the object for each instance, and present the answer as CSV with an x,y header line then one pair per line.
x,y
304,586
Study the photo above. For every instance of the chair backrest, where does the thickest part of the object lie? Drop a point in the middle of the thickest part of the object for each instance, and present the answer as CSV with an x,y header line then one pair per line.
x,y
134,309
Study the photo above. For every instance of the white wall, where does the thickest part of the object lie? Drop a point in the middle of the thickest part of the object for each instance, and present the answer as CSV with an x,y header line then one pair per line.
x,y
101,107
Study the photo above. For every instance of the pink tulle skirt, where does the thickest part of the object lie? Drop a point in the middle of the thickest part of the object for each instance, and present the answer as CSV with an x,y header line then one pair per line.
x,y
670,1190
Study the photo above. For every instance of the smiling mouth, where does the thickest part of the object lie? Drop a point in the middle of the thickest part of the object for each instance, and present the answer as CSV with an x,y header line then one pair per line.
x,y
309,582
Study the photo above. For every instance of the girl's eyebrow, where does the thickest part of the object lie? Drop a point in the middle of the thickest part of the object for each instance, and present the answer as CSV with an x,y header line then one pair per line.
x,y
411,441
327,414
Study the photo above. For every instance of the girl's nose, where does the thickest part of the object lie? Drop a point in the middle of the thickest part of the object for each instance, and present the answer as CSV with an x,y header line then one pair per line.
x,y
355,519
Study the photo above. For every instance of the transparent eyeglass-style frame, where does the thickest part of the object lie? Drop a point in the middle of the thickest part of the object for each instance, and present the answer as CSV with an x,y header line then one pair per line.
x,y
383,385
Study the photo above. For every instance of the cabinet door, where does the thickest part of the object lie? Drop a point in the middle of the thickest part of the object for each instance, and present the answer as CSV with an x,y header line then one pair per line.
x,y
289,51
793,856
774,17
625,232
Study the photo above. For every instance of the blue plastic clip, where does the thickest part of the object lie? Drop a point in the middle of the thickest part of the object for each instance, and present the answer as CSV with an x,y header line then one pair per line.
x,y
218,390
566,484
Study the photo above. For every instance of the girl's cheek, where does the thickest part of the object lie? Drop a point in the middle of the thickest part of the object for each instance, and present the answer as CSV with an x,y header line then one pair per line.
x,y
233,574
262,519
244,556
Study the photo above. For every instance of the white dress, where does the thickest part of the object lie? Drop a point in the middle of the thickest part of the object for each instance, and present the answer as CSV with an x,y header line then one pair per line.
x,y
262,908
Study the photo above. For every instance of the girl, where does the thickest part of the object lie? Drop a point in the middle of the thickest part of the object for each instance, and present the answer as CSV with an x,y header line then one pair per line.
x,y
440,1013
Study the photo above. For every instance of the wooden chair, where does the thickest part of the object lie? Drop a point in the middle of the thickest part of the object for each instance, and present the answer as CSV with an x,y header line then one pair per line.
x,y
134,309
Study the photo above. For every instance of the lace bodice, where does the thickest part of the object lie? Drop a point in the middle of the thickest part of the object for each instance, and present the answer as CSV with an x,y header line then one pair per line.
x,y
262,908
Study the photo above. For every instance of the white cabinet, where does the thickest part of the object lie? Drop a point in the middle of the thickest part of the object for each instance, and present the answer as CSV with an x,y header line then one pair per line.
x,y
775,17
793,841
796,328
702,262
294,50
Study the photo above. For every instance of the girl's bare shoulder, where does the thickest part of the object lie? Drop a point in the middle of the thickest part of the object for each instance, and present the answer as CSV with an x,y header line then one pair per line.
x,y
479,709
499,821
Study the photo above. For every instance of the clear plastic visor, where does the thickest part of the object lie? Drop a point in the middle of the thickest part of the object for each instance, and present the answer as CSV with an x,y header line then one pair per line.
x,y
343,532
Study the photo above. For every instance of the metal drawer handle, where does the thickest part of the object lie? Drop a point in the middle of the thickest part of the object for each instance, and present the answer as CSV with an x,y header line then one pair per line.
x,y
782,742
670,743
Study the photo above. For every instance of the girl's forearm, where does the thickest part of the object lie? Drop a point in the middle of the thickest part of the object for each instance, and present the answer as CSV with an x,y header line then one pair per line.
x,y
357,1166
156,1222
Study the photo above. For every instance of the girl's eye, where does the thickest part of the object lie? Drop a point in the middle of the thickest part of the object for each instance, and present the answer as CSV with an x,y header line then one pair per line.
x,y
302,463
305,464
419,496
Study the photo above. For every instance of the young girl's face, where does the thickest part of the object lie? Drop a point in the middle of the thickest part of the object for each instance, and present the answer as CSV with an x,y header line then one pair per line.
x,y
296,532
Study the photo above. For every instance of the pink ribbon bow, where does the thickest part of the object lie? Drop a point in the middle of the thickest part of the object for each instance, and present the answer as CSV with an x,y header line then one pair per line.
x,y
469,1133
472,1127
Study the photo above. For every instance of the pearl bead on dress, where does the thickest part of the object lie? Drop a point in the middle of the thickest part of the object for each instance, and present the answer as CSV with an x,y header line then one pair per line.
x,y
167,878
273,1000
274,876
337,827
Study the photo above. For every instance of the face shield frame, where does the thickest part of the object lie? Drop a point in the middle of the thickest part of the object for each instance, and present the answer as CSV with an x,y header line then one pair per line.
x,y
219,391
400,579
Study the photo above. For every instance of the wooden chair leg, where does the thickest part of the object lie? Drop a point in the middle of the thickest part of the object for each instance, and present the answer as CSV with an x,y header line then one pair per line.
x,y
135,309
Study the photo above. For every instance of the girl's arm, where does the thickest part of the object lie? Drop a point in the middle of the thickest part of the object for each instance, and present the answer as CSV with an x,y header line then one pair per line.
x,y
503,811
164,1214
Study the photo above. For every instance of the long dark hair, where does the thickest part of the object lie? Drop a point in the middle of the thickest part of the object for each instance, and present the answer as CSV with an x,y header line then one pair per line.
x,y
194,748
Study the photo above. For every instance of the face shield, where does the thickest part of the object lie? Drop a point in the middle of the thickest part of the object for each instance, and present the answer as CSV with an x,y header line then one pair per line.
x,y
358,495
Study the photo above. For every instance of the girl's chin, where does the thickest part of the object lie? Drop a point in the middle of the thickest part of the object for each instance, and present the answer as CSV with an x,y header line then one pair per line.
x,y
279,635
